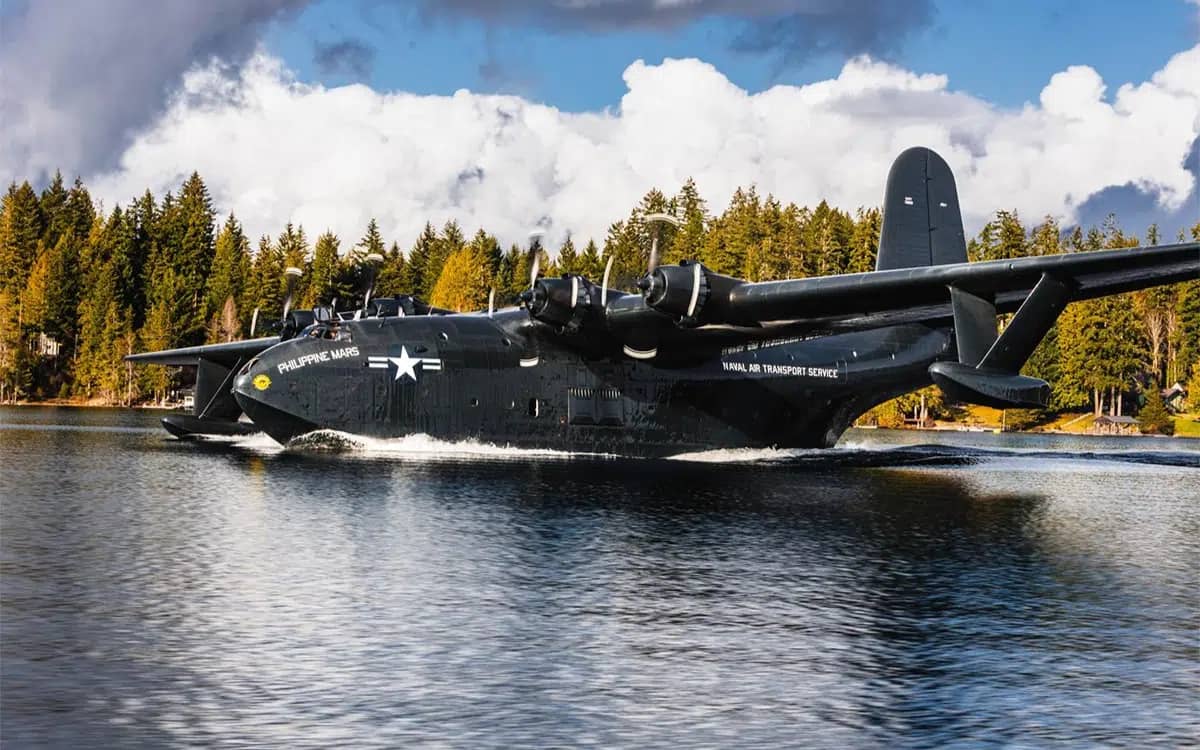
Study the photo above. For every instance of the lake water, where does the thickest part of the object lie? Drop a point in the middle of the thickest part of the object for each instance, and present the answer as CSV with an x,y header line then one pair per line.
x,y
905,590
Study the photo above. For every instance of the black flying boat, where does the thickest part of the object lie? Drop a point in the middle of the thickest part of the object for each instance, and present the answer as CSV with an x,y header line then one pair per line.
x,y
694,360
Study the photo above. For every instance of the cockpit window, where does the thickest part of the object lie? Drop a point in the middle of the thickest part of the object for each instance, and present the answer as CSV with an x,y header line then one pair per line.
x,y
328,332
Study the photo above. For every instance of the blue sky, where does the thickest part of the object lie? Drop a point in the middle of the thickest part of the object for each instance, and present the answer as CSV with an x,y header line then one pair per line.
x,y
335,156
1003,52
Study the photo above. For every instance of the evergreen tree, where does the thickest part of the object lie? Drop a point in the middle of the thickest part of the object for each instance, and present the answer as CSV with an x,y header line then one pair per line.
x,y
509,281
16,361
419,259
1002,238
864,240
265,290
1153,418
142,217
1046,238
322,287
230,267
689,239
63,288
392,274
590,264
568,258
827,239
21,228
372,241
169,322
768,258
53,204
80,212
734,234
102,328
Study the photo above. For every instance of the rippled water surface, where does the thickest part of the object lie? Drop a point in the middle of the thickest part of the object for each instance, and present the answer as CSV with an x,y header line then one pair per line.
x,y
986,590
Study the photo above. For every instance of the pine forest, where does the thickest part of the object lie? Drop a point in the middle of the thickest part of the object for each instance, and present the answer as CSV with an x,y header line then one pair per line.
x,y
80,287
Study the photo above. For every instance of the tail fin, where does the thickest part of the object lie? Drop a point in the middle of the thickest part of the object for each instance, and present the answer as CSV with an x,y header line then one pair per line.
x,y
922,223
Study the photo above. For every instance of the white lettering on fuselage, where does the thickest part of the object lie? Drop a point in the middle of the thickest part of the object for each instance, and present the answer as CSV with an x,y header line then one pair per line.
x,y
328,355
763,368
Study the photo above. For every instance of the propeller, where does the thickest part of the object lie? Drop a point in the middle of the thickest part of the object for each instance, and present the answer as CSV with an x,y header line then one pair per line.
x,y
253,322
604,282
535,253
291,276
491,301
535,266
658,218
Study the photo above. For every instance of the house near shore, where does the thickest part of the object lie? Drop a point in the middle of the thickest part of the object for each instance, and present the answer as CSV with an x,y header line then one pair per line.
x,y
1106,425
1175,398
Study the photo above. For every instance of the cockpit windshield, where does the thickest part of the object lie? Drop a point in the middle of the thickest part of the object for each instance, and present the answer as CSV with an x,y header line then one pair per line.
x,y
326,331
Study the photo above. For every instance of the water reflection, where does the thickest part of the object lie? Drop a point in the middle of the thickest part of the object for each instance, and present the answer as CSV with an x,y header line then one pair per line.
x,y
157,593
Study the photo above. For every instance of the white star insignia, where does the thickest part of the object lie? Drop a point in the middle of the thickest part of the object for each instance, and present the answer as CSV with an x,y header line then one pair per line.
x,y
405,365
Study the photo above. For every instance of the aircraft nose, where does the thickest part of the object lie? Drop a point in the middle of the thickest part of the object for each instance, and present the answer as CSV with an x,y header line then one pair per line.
x,y
270,402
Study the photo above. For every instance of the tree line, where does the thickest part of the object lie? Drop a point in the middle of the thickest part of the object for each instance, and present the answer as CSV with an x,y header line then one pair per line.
x,y
81,287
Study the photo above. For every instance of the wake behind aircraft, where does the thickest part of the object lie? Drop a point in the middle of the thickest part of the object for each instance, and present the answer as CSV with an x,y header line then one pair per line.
x,y
694,360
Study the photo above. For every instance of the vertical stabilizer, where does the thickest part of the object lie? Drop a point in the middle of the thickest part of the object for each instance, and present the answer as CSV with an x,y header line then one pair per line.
x,y
922,223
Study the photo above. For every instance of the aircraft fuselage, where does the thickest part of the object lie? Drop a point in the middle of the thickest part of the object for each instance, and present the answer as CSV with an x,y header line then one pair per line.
x,y
508,380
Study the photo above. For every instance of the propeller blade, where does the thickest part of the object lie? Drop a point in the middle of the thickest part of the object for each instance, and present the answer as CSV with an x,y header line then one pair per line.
x,y
535,255
604,283
291,275
491,302
654,219
253,322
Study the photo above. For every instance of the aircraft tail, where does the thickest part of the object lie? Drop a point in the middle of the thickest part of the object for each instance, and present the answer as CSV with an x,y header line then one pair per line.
x,y
922,223
922,226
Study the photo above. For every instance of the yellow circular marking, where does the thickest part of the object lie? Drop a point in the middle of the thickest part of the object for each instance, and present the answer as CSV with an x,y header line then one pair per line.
x,y
261,381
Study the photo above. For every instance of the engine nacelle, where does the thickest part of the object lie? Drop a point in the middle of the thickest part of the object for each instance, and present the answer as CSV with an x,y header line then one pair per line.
x,y
564,302
680,291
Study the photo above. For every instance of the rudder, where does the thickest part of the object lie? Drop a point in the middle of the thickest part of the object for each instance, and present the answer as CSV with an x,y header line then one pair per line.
x,y
922,222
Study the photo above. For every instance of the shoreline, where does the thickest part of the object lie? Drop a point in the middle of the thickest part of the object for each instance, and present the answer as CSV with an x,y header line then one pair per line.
x,y
86,405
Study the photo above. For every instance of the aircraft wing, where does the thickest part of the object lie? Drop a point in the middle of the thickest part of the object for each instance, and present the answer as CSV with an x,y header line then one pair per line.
x,y
224,353
881,295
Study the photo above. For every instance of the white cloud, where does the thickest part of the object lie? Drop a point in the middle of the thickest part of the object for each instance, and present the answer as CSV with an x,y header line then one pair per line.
x,y
275,150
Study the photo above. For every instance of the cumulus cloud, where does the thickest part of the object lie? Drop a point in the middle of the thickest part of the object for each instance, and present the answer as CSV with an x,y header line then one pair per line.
x,y
77,78
277,150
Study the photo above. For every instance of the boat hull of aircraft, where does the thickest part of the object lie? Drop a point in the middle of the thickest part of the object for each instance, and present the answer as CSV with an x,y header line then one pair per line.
x,y
474,378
